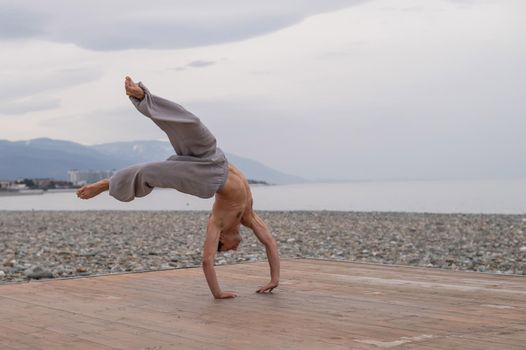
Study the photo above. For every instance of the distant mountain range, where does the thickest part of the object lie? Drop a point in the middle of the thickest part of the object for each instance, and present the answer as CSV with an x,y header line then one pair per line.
x,y
45,157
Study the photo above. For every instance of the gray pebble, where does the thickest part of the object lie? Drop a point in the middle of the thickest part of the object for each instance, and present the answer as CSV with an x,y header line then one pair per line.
x,y
38,272
96,242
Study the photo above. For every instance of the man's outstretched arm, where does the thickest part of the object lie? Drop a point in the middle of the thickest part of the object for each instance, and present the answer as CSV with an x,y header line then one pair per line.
x,y
209,253
260,229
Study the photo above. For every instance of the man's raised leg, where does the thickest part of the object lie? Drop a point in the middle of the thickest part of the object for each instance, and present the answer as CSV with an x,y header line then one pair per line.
x,y
134,181
94,189
187,134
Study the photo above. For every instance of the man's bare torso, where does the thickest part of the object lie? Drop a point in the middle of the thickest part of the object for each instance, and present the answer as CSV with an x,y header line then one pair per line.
x,y
232,207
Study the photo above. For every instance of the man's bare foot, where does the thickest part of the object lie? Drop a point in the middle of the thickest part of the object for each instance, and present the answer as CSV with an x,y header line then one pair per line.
x,y
92,190
133,89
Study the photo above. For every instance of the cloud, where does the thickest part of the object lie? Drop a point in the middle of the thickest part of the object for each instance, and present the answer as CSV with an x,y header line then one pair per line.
x,y
200,63
358,93
195,64
133,24
102,125
408,141
345,52
29,105
18,23
21,90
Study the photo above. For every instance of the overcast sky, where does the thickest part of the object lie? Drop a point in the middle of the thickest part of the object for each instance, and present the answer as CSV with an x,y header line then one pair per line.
x,y
373,89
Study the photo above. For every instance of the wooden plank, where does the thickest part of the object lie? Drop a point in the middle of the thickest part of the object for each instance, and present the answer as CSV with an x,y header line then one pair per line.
x,y
45,340
320,304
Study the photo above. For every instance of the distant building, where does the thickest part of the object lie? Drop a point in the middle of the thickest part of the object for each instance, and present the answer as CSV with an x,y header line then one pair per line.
x,y
82,177
43,183
46,183
5,183
13,185
17,186
22,184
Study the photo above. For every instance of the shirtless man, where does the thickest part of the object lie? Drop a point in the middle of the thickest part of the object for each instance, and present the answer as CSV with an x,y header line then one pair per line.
x,y
198,168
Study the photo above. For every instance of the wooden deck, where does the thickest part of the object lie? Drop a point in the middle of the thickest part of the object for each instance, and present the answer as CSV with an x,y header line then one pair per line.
x,y
319,305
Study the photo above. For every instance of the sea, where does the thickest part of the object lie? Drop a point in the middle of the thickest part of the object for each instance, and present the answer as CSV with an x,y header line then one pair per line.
x,y
452,196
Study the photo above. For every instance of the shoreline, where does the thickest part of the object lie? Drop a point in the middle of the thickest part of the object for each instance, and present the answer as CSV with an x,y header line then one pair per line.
x,y
441,197
35,192
58,244
181,211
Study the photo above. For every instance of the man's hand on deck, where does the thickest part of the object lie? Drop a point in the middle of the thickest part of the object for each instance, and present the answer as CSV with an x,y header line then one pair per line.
x,y
226,295
268,287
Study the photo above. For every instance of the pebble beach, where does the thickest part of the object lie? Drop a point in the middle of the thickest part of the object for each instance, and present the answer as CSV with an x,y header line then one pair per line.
x,y
59,244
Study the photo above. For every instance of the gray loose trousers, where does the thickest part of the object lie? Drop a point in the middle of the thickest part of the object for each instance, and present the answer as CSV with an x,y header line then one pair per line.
x,y
198,168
